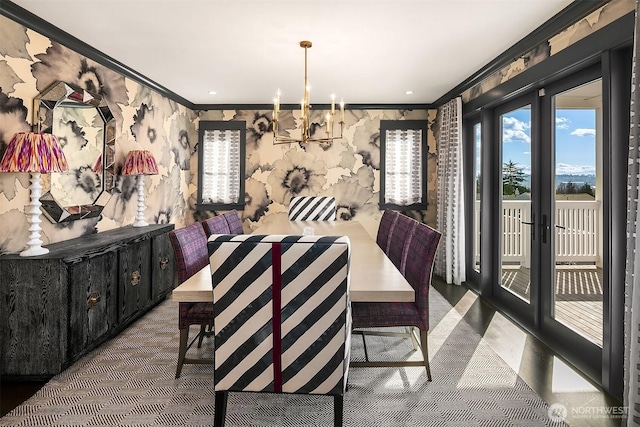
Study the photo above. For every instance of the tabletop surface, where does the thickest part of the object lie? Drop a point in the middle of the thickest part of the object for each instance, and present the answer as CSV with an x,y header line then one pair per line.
x,y
373,277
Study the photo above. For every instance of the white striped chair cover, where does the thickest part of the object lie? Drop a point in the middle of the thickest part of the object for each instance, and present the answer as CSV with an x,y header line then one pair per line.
x,y
282,315
312,208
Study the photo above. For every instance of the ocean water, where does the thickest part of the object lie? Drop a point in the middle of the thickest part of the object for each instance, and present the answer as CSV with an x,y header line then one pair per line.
x,y
578,180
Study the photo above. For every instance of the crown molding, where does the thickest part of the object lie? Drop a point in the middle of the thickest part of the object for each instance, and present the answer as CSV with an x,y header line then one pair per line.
x,y
206,107
39,25
566,17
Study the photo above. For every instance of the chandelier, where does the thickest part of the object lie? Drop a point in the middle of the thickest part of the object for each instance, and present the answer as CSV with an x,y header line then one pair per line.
x,y
305,131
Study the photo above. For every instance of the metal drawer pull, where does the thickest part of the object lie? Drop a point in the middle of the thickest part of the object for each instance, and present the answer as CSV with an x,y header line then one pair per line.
x,y
93,299
135,278
164,262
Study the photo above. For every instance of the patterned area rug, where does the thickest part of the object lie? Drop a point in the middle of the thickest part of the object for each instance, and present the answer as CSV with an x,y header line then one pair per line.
x,y
129,381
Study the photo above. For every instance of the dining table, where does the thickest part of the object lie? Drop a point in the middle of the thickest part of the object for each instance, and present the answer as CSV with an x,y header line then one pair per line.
x,y
373,277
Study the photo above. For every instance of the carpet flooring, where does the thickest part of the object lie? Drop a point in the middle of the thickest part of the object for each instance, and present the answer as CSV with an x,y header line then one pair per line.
x,y
129,381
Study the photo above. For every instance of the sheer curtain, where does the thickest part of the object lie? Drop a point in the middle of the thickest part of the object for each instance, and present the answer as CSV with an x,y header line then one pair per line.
x,y
632,282
450,259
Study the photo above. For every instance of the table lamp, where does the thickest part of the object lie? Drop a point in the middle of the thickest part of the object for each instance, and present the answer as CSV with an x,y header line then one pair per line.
x,y
140,162
36,153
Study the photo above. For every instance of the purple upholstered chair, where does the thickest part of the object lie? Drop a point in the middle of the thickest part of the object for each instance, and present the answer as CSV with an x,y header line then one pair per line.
x,y
234,221
411,315
216,225
399,239
190,250
387,224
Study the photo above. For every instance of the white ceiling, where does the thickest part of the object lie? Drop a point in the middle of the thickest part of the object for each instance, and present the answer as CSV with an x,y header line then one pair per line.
x,y
365,51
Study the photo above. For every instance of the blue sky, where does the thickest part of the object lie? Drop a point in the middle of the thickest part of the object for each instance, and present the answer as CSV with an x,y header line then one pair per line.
x,y
575,140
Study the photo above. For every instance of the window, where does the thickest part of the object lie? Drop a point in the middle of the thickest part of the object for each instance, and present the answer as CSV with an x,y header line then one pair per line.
x,y
477,185
403,165
221,165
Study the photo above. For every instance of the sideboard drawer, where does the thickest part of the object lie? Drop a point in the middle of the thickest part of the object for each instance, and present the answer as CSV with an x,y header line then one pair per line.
x,y
93,307
134,278
162,267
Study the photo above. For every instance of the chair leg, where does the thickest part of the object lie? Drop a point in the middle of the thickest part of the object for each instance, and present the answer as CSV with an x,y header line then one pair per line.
x,y
364,343
220,408
338,404
411,331
182,350
203,332
425,353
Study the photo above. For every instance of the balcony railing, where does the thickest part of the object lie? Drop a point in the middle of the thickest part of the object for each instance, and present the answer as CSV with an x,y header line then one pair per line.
x,y
577,231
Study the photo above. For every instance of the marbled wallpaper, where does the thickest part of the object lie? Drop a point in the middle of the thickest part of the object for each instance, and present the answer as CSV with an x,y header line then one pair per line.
x,y
586,26
29,63
348,170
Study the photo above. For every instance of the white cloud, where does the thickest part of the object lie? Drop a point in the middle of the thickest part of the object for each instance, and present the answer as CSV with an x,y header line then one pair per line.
x,y
567,169
584,132
515,130
562,123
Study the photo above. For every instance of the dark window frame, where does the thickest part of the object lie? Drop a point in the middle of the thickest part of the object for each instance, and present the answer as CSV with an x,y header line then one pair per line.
x,y
386,125
240,126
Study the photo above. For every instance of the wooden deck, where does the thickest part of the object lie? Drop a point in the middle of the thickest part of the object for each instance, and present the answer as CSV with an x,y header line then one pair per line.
x,y
578,296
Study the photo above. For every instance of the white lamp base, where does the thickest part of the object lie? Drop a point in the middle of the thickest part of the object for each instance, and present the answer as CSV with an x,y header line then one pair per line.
x,y
32,210
140,222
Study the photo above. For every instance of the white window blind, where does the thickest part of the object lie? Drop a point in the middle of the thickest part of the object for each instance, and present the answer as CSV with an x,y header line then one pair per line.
x,y
221,172
403,166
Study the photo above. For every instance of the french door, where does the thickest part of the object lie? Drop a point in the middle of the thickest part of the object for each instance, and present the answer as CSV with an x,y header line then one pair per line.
x,y
550,210
572,225
516,283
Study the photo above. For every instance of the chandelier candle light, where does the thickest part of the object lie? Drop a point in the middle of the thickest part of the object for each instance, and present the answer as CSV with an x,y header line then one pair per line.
x,y
140,162
36,153
304,114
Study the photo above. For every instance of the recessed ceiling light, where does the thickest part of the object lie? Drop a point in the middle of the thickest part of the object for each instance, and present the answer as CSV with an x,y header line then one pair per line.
x,y
409,92
212,92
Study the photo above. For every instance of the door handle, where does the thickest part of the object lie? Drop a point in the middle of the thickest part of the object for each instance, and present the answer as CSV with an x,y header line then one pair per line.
x,y
533,229
543,228
135,278
562,227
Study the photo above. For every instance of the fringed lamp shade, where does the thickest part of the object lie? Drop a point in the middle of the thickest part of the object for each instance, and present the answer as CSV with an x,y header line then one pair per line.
x,y
140,162
33,152
36,153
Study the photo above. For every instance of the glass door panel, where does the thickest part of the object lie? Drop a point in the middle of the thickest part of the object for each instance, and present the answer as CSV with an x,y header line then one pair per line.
x,y
477,180
516,223
576,225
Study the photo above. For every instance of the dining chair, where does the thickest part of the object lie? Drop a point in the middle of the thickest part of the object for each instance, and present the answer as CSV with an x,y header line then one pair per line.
x,y
234,221
282,316
312,208
216,225
399,239
387,224
410,315
190,250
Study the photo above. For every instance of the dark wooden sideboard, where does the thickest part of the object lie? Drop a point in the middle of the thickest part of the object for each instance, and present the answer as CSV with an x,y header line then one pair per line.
x,y
57,307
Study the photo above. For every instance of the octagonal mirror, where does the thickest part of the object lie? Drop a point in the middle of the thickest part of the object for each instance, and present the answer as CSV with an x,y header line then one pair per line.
x,y
85,128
